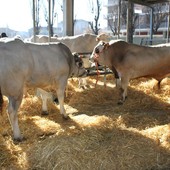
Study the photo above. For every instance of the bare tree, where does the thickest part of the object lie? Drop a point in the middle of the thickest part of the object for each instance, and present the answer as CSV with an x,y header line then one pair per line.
x,y
112,25
124,7
124,18
37,17
53,16
113,19
94,25
159,15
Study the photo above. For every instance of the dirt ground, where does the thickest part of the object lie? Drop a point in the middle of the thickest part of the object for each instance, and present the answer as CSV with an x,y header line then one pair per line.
x,y
99,134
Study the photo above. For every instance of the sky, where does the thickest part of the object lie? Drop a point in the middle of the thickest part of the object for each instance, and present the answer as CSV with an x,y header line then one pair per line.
x,y
17,14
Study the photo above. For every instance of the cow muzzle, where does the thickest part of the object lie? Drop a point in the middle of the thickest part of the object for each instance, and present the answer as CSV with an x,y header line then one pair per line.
x,y
96,57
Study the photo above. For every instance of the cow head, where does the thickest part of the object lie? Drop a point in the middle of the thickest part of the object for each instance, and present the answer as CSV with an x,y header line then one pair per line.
x,y
79,70
98,50
78,60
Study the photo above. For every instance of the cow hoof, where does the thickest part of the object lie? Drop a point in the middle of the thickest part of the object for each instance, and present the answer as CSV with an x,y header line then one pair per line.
x,y
66,117
44,113
19,139
56,101
120,102
82,87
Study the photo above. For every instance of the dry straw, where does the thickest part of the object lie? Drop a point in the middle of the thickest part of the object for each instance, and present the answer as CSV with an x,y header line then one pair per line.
x,y
99,134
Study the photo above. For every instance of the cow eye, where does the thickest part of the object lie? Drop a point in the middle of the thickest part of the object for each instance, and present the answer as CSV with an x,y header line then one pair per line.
x,y
97,50
79,64
76,59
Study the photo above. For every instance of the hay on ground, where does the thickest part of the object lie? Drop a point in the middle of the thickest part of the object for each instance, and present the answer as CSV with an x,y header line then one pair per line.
x,y
99,134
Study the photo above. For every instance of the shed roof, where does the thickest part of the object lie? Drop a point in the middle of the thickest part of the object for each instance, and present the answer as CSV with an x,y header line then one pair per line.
x,y
149,2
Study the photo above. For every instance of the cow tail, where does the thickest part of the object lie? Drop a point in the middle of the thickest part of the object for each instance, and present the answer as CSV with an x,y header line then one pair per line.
x,y
1,101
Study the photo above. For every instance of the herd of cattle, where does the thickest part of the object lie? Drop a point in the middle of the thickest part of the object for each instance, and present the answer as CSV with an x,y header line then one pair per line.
x,y
42,64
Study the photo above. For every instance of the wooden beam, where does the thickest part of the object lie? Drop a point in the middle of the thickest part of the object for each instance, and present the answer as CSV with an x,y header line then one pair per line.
x,y
140,2
68,17
49,20
156,1
129,37
34,30
148,2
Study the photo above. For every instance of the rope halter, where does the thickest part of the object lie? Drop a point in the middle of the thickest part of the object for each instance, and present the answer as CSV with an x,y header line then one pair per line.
x,y
96,57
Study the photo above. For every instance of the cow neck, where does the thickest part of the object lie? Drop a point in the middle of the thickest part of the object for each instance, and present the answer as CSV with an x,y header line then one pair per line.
x,y
96,57
72,69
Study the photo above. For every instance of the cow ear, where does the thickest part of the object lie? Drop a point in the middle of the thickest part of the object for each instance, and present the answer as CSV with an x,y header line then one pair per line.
x,y
106,45
103,43
76,56
97,39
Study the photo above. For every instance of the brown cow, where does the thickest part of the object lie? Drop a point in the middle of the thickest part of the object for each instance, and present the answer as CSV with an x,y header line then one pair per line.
x,y
129,61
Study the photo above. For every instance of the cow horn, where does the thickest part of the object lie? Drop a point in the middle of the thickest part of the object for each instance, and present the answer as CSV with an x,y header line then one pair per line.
x,y
106,45
97,39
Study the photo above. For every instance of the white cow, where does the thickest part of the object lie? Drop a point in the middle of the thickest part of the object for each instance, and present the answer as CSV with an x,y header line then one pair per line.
x,y
83,43
79,43
34,65
104,37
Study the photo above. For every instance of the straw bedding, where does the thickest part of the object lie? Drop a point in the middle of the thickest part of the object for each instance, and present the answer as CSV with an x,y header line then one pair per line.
x,y
99,134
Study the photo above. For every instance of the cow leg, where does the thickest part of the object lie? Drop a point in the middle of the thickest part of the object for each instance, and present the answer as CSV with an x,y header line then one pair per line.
x,y
44,95
118,82
80,80
159,84
60,93
123,90
13,106
82,83
44,105
25,91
